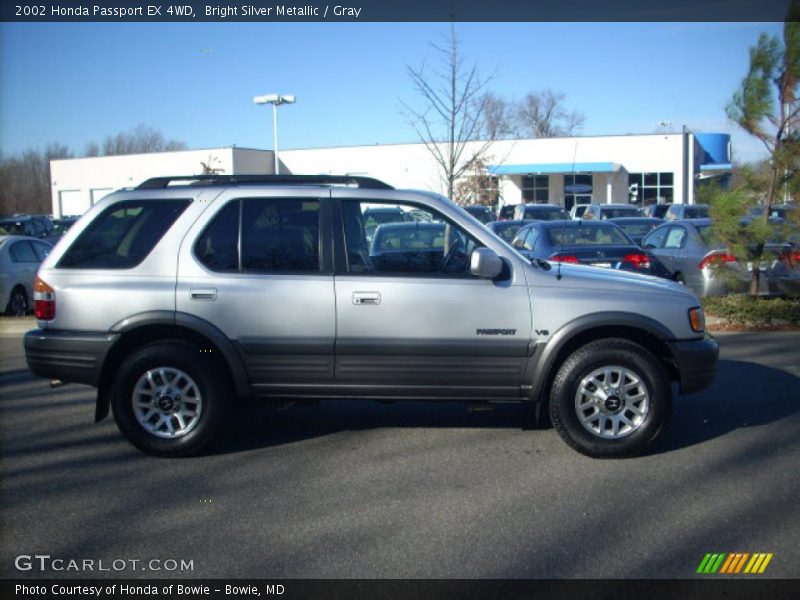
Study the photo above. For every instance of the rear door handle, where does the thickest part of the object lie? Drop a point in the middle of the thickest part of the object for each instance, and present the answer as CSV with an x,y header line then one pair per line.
x,y
360,298
203,293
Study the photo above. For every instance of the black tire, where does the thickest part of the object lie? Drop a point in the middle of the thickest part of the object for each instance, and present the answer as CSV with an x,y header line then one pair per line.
x,y
629,440
210,383
18,305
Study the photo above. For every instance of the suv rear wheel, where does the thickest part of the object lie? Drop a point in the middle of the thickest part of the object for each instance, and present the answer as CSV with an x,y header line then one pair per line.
x,y
168,399
610,398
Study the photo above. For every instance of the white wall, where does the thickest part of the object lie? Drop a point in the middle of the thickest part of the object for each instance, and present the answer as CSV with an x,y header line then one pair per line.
x,y
78,183
412,166
400,165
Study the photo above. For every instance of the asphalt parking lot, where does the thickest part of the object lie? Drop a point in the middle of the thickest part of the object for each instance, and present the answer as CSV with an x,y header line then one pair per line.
x,y
354,490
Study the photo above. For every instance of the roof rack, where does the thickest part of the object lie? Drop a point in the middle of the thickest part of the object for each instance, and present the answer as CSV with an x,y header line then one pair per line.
x,y
157,183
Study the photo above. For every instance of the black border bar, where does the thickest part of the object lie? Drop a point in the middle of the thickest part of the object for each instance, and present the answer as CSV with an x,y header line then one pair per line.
x,y
700,588
275,11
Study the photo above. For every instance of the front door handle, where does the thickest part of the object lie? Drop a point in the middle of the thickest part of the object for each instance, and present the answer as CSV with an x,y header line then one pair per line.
x,y
203,293
360,298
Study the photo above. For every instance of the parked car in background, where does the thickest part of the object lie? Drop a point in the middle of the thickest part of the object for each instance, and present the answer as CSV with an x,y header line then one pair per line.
x,y
601,212
415,248
481,212
62,225
688,251
506,213
20,256
686,211
655,211
540,212
26,225
507,230
376,216
576,212
776,211
636,227
587,243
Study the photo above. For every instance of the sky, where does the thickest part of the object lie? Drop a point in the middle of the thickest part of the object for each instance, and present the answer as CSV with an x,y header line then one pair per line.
x,y
73,83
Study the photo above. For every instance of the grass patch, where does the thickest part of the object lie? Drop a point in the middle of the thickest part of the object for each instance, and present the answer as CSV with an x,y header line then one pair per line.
x,y
749,311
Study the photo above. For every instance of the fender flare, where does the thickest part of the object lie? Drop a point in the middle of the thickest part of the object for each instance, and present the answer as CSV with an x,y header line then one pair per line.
x,y
546,353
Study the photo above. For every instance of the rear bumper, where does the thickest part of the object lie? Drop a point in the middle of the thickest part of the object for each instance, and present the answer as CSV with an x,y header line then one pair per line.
x,y
74,357
697,363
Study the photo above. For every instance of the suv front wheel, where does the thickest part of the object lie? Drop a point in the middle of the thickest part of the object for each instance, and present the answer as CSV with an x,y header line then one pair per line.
x,y
168,399
610,398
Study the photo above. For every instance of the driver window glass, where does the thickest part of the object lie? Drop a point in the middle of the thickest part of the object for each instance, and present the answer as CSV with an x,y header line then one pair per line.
x,y
403,239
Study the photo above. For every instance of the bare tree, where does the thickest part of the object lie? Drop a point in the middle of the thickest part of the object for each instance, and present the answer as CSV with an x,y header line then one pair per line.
x,y
92,149
25,180
542,115
140,139
452,112
499,117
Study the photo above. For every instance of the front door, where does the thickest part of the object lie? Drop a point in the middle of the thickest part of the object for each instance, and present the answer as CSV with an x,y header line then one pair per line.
x,y
411,319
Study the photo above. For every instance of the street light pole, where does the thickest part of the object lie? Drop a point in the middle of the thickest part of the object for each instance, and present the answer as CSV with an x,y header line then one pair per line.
x,y
275,100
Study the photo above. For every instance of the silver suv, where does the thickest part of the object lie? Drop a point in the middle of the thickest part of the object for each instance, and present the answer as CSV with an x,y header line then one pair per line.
x,y
184,295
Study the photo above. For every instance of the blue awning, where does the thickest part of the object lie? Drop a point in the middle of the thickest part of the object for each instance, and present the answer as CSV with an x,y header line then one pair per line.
x,y
551,168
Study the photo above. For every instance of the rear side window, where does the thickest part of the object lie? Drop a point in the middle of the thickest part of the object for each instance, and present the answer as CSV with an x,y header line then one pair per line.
x,y
21,252
277,235
123,235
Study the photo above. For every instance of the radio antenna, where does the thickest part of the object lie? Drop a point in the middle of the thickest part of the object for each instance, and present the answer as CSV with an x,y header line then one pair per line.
x,y
564,229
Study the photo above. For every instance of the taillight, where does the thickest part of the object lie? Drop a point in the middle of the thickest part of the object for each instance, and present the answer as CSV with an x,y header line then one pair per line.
x,y
565,258
792,257
637,259
716,258
44,300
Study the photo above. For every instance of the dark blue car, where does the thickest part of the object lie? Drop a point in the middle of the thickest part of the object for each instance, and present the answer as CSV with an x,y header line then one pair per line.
x,y
595,243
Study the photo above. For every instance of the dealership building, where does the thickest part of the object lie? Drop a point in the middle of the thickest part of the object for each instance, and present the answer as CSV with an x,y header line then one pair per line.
x,y
642,169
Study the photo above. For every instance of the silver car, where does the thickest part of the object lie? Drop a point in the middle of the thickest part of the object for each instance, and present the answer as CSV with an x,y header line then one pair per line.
x,y
687,250
177,301
20,256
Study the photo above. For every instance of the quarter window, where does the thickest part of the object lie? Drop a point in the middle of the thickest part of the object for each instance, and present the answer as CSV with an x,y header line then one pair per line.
x,y
123,234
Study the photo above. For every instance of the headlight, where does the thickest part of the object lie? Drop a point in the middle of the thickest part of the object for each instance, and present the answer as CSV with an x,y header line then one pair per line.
x,y
697,319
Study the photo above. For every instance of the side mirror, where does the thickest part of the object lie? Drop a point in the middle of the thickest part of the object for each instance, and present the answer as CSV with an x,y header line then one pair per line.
x,y
484,262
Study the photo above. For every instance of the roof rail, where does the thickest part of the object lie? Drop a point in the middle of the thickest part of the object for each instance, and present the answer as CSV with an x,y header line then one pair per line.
x,y
157,183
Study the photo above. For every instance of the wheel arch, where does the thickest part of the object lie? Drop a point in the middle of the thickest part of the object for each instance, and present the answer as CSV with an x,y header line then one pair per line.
x,y
144,328
639,329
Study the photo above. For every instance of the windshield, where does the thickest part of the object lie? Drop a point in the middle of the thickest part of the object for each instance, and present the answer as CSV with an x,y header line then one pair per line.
x,y
507,232
385,216
587,236
614,213
637,230
696,212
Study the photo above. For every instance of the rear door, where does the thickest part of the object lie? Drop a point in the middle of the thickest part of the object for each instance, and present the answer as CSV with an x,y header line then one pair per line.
x,y
259,269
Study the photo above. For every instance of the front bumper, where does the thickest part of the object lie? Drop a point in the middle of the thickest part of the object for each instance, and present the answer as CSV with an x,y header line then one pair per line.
x,y
697,363
72,357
